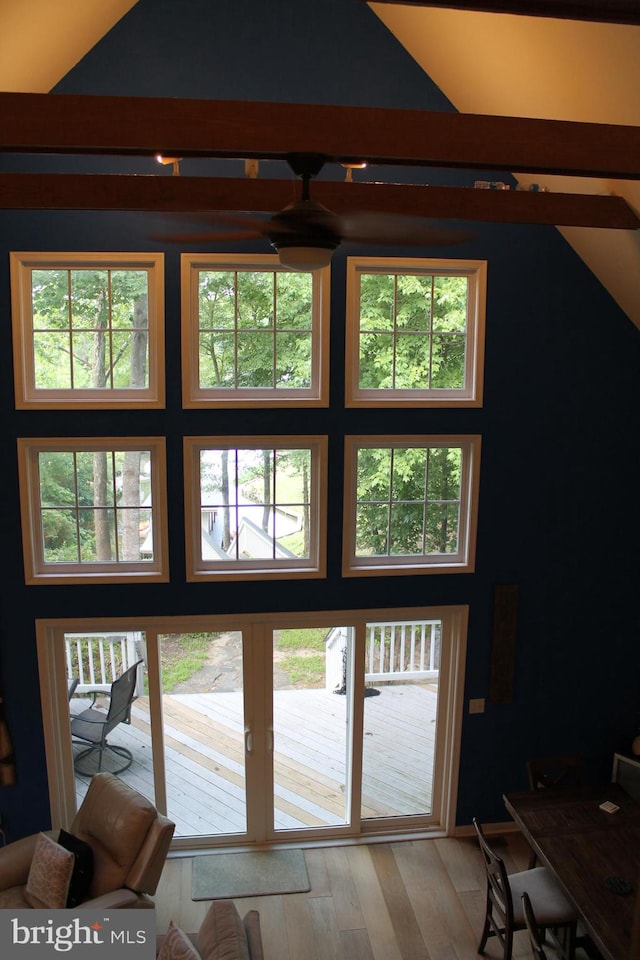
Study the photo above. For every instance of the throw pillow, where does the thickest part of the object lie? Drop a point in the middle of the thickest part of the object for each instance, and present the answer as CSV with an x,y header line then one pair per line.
x,y
82,870
49,875
177,946
222,935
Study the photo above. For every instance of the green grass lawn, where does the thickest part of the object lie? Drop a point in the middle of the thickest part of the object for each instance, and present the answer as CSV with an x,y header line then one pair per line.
x,y
303,658
182,655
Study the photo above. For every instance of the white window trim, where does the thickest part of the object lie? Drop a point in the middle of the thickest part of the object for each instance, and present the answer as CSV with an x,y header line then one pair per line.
x,y
37,570
471,394
461,562
27,395
195,396
199,569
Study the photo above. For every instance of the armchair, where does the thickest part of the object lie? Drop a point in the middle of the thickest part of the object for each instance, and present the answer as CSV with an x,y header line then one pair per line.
x,y
129,840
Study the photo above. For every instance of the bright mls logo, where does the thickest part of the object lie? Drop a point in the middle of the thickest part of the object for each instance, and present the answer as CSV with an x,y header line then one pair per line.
x,y
81,934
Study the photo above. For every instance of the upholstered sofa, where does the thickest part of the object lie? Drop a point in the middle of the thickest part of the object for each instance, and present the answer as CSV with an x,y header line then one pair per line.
x,y
223,935
128,841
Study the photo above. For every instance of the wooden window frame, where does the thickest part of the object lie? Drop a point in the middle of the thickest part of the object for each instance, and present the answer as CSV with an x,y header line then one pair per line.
x,y
314,566
195,396
27,394
468,396
463,561
37,569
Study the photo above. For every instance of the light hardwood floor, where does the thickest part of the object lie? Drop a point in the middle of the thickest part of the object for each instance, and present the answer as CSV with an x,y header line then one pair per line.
x,y
411,900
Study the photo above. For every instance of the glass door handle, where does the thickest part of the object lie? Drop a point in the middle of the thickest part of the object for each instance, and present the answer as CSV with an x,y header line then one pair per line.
x,y
248,740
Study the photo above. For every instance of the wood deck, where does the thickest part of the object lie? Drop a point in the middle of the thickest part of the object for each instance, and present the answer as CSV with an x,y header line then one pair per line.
x,y
204,757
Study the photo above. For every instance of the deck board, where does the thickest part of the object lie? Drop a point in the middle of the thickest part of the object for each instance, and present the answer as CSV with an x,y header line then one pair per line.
x,y
204,757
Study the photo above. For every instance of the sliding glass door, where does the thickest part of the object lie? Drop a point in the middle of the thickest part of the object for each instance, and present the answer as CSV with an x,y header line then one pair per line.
x,y
312,706
202,685
260,728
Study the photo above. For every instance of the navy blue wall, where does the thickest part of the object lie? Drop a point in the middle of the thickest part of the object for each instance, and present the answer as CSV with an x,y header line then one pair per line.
x,y
558,505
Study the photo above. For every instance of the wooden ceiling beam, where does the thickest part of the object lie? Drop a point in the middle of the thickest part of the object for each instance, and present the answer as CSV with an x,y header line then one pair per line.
x,y
99,125
165,194
604,11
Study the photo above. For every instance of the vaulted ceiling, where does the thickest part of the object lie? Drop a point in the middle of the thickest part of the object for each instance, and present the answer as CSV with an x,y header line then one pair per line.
x,y
41,40
523,66
485,63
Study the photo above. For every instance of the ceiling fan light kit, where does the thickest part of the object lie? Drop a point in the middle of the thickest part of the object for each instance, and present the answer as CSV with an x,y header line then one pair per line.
x,y
304,258
304,233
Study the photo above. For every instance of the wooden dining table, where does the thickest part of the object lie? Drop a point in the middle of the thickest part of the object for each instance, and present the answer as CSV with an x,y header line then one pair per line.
x,y
585,846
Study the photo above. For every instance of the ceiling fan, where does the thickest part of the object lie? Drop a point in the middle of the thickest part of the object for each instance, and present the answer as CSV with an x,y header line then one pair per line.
x,y
305,233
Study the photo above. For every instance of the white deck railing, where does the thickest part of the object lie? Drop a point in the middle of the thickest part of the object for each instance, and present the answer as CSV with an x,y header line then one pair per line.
x,y
97,659
394,651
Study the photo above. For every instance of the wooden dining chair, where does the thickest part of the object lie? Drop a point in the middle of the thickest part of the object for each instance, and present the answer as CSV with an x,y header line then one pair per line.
x,y
535,935
504,912
561,770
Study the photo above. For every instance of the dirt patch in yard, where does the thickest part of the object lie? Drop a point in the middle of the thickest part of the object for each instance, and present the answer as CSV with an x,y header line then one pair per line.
x,y
222,670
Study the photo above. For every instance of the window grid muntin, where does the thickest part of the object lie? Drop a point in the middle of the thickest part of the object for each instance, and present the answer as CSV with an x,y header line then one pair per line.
x,y
28,393
392,503
474,272
312,511
355,564
428,335
274,330
76,331
112,512
152,508
271,505
313,392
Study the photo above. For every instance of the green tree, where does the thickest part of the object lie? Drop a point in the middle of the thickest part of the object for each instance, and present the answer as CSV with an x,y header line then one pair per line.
x,y
408,500
254,329
412,331
90,328
66,484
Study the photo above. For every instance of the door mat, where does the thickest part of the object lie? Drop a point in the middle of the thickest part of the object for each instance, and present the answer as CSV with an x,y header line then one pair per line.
x,y
225,876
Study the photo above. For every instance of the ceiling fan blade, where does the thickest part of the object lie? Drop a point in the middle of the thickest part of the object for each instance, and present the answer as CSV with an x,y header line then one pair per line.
x,y
398,230
224,225
208,236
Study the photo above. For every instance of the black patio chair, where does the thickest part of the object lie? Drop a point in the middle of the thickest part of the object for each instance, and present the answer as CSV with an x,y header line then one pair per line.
x,y
93,725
